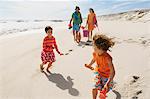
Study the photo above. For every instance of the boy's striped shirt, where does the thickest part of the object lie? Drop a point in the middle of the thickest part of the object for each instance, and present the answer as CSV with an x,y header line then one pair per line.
x,y
49,44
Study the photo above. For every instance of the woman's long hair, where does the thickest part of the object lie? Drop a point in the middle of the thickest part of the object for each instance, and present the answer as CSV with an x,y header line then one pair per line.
x,y
91,9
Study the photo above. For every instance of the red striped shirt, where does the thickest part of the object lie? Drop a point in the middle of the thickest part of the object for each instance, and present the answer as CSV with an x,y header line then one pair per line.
x,y
49,44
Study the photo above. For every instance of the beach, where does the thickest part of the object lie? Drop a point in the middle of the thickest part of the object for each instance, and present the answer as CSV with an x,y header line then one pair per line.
x,y
20,76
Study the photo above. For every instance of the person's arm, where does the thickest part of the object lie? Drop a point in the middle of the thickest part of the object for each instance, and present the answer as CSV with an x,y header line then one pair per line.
x,y
95,21
112,74
56,48
70,20
90,65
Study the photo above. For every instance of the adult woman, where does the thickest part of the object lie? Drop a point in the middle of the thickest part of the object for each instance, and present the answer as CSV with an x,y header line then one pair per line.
x,y
91,22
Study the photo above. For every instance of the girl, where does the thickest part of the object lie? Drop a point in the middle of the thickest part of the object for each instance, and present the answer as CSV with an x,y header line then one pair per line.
x,y
104,71
91,22
47,54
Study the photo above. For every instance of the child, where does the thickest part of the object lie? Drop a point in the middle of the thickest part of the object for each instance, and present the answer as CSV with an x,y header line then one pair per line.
x,y
47,54
104,71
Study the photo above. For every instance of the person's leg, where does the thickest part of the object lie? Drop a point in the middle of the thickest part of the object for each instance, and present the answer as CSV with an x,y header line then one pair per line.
x,y
89,29
94,93
79,36
74,35
88,38
91,35
77,33
44,61
74,30
49,65
41,67
104,91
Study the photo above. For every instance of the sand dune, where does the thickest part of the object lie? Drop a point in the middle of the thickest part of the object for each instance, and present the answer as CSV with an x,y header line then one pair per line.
x,y
135,15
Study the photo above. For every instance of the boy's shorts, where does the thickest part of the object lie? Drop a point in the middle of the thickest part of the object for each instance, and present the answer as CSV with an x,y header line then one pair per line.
x,y
100,81
76,27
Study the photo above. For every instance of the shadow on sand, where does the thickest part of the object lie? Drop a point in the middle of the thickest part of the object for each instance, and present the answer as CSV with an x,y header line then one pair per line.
x,y
62,83
118,95
86,43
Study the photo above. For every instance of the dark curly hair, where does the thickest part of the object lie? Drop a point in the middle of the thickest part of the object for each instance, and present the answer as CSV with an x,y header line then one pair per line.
x,y
48,28
103,42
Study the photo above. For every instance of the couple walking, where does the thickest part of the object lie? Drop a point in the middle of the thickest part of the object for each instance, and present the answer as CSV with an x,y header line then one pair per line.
x,y
77,21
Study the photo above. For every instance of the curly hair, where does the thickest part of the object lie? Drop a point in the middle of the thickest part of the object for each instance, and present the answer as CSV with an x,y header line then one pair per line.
x,y
103,42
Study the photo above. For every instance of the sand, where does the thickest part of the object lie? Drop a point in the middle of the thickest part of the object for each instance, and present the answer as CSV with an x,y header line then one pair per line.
x,y
20,76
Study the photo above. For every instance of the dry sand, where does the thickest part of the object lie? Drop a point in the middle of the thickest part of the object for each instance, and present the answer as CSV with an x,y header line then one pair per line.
x,y
20,77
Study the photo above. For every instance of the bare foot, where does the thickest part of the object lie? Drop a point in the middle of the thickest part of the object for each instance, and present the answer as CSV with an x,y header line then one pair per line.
x,y
78,41
48,71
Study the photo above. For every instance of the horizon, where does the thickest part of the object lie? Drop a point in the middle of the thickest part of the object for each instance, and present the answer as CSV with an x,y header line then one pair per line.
x,y
56,10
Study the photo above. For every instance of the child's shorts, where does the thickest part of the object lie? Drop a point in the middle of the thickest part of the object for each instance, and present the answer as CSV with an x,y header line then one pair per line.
x,y
100,81
47,57
76,27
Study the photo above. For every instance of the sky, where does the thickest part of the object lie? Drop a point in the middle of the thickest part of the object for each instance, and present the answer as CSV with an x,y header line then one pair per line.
x,y
63,9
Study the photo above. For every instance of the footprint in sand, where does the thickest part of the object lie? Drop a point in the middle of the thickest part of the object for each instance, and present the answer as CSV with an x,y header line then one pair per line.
x,y
69,52
83,46
83,43
135,97
130,41
135,78
132,88
66,53
140,39
144,42
136,94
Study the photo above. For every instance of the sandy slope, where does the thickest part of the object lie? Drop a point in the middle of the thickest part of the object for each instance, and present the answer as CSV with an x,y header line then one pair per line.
x,y
141,15
20,77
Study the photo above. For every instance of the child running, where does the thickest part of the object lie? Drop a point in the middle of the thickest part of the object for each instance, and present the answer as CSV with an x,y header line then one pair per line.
x,y
47,55
104,71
